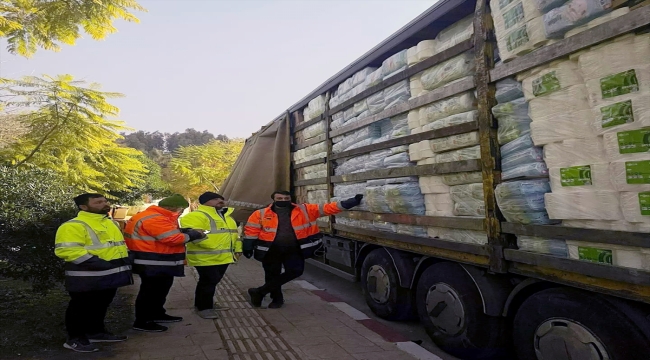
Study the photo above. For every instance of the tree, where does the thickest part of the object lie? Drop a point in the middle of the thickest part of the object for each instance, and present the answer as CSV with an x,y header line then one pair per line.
x,y
196,169
190,137
146,142
69,132
30,24
153,185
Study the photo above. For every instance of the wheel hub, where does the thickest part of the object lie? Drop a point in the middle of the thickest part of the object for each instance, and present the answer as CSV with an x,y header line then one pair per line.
x,y
563,339
378,284
445,309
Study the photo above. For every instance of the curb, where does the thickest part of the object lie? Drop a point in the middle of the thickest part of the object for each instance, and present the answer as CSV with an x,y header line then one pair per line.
x,y
380,329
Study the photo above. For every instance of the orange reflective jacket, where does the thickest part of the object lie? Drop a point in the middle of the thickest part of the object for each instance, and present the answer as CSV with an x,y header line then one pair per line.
x,y
156,242
262,226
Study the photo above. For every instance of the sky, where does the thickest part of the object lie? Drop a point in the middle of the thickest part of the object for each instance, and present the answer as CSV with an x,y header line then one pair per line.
x,y
228,67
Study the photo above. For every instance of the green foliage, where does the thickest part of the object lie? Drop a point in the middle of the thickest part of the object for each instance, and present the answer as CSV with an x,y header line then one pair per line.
x,y
30,24
70,132
153,185
196,169
166,142
34,203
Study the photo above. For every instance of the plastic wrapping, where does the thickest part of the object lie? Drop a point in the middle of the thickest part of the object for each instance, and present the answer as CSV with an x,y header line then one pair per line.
x,y
314,108
573,125
458,235
546,5
314,130
525,203
609,254
526,171
630,175
619,55
508,15
522,143
314,171
512,128
522,157
399,149
454,105
474,191
412,56
439,204
413,119
559,75
521,39
375,197
573,14
454,142
426,49
619,86
360,76
375,78
399,180
415,84
452,120
517,108
397,93
620,225
470,153
521,188
311,153
433,185
468,200
625,113
462,178
508,89
559,103
453,69
376,103
397,160
353,165
348,190
360,107
542,246
636,206
337,121
629,145
455,34
317,197
575,152
405,198
411,230
394,64
590,205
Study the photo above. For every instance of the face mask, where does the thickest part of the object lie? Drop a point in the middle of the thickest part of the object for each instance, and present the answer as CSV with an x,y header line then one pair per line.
x,y
282,204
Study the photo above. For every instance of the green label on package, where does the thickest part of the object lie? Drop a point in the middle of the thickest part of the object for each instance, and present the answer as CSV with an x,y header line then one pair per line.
x,y
637,172
517,38
546,84
575,176
619,84
514,16
595,255
504,3
634,141
644,202
617,114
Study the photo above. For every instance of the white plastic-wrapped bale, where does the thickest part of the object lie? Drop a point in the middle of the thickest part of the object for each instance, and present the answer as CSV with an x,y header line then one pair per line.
x,y
636,206
317,197
426,49
609,254
523,201
313,172
415,83
513,120
452,120
397,94
313,130
630,112
313,152
573,14
616,56
542,246
360,76
453,69
405,198
630,175
522,157
412,56
315,108
551,78
375,197
468,199
433,185
521,39
455,34
454,142
559,103
575,152
376,159
507,90
376,103
337,121
394,64
374,78
439,204
352,165
508,15
399,180
470,153
597,21
630,145
462,178
590,205
555,128
454,105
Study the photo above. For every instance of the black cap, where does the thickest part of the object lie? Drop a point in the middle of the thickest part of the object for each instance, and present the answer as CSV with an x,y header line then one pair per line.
x,y
207,196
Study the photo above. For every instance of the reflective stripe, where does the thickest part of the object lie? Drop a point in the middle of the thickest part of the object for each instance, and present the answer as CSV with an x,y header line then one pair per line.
x,y
321,209
158,262
262,248
262,211
251,237
270,230
91,233
98,273
207,252
106,245
81,259
168,234
213,225
340,206
300,227
97,244
69,244
317,242
258,226
136,230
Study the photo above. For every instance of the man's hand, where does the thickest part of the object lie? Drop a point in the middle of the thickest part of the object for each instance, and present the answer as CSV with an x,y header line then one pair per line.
x,y
196,234
352,202
237,256
248,254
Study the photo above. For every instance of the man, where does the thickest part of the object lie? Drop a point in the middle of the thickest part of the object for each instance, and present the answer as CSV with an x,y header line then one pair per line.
x,y
96,264
158,251
211,256
284,235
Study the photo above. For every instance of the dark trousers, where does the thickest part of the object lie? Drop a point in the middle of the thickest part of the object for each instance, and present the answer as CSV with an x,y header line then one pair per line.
x,y
150,303
278,257
209,278
86,312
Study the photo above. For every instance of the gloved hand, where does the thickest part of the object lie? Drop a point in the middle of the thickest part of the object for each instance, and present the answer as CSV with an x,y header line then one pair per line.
x,y
248,246
352,202
248,254
196,234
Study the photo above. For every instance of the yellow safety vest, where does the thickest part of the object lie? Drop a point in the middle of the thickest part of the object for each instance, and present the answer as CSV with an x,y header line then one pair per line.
x,y
96,256
222,241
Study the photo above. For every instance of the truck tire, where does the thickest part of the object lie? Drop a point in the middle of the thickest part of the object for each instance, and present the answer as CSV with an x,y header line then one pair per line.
x,y
380,285
565,323
451,309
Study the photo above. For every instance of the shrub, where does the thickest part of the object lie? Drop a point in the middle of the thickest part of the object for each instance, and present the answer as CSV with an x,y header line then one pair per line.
x,y
33,203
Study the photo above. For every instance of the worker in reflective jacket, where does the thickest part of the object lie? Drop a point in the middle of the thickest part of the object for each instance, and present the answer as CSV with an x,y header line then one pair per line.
x,y
211,256
284,235
157,246
96,264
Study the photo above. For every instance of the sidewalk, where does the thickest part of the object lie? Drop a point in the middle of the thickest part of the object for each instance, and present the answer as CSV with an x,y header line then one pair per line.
x,y
311,325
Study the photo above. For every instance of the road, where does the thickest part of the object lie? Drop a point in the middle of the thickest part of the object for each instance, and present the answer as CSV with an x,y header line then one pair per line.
x,y
351,293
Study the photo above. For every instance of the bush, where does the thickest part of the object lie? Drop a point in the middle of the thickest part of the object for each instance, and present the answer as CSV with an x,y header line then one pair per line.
x,y
34,202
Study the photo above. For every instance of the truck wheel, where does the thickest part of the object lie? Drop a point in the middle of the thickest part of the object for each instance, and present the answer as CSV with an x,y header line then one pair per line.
x,y
564,323
380,284
451,309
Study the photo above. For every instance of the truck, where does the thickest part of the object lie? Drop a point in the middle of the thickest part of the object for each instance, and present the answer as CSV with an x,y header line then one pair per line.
x,y
502,150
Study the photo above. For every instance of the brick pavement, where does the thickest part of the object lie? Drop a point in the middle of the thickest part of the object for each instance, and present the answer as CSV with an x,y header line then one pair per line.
x,y
309,326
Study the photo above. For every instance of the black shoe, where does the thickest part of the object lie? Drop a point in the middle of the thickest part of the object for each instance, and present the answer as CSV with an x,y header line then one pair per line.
x,y
106,338
80,345
276,304
256,297
167,319
149,327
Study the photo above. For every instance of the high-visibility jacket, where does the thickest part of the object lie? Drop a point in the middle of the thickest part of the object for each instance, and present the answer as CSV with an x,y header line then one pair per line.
x,y
262,227
156,242
222,242
96,257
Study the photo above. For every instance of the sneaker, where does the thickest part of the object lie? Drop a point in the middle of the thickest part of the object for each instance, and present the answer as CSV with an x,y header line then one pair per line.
x,y
149,326
256,297
106,338
219,307
275,304
208,314
79,345
168,319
